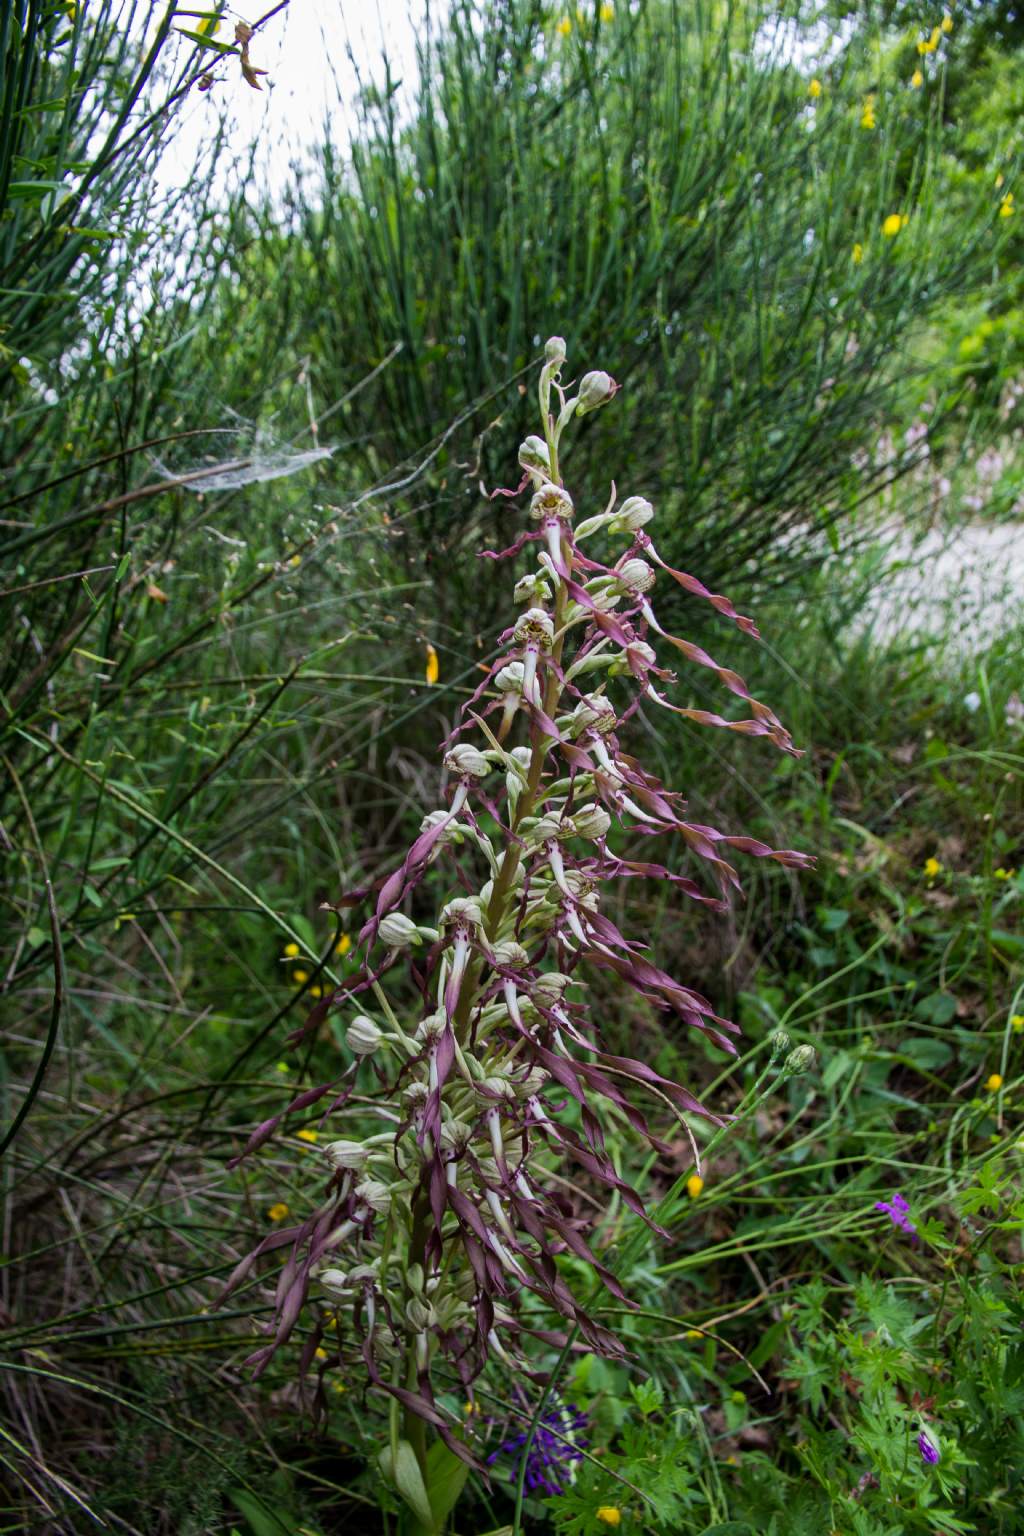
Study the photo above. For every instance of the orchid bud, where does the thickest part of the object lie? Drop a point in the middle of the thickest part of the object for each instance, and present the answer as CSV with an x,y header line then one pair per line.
x,y
466,762
593,713
433,1026
554,351
364,1274
376,1195
632,515
333,1280
456,1135
549,988
462,912
636,576
551,501
533,455
592,821
451,832
637,653
521,759
362,1036
580,885
418,1315
532,589
346,1154
510,678
534,627
546,829
603,595
799,1061
779,1042
495,1088
510,955
596,389
399,932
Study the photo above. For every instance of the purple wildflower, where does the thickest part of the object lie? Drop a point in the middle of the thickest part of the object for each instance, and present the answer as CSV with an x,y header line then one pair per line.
x,y
929,1450
551,1460
898,1212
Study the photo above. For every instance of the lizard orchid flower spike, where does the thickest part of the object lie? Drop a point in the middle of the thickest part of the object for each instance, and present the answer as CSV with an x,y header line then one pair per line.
x,y
429,1232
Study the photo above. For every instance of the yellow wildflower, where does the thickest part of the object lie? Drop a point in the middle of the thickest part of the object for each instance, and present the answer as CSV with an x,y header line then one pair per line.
x,y
290,951
469,1408
1006,208
993,1083
300,976
858,254
917,80
343,945
946,23
999,181
295,560
814,89
932,867
893,224
1004,874
694,1185
433,668
867,116
338,1386
607,12
277,1212
307,1135
316,991
609,1514
321,1354
283,1066
1017,1022
693,1333
932,42
564,27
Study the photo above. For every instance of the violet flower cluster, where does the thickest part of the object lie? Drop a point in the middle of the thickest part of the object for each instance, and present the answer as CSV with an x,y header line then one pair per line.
x,y
438,1237
552,1454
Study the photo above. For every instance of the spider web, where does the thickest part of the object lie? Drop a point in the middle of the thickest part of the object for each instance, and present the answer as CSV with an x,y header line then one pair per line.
x,y
226,458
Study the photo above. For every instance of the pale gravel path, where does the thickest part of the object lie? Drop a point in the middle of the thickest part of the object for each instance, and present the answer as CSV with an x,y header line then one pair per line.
x,y
968,585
